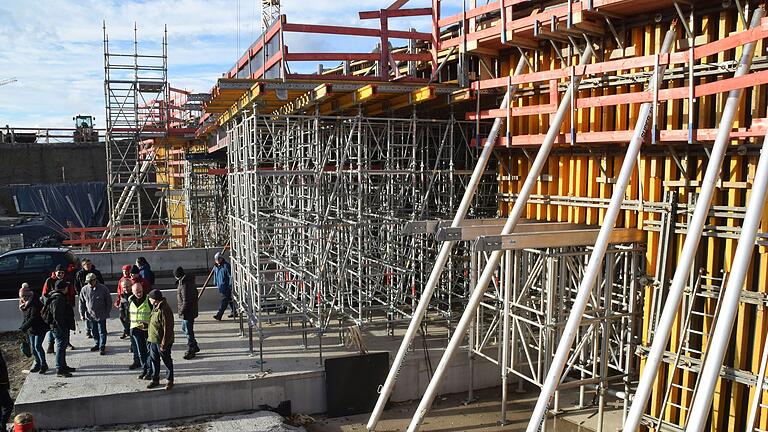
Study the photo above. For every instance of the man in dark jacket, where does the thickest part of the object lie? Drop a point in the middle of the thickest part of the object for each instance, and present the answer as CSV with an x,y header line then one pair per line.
x,y
62,321
59,274
160,338
97,304
186,296
222,276
33,326
6,403
145,270
86,267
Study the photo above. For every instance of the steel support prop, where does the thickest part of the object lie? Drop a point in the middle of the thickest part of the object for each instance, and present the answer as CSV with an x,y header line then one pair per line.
x,y
721,335
442,258
493,261
598,253
695,226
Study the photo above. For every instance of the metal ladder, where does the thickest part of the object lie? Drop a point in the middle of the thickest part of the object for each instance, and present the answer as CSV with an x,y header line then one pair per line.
x,y
687,357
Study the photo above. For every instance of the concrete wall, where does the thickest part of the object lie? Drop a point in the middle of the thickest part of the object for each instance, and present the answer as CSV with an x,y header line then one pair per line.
x,y
43,164
163,262
10,315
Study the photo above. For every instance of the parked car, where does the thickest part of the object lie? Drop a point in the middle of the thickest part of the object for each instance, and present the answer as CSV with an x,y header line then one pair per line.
x,y
34,266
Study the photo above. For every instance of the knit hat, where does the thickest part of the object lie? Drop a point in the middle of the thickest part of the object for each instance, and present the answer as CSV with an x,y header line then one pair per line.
x,y
179,273
25,290
127,267
59,268
90,276
134,269
155,294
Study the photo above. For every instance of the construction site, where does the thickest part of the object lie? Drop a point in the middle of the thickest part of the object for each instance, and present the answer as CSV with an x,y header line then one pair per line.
x,y
550,215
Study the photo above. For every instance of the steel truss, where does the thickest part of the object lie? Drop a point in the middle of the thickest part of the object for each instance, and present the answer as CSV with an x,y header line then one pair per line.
x,y
320,214
205,200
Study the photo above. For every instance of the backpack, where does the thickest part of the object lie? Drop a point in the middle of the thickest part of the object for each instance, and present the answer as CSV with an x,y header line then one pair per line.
x,y
47,312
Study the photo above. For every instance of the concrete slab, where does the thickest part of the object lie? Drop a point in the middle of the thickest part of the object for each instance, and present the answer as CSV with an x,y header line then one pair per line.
x,y
224,378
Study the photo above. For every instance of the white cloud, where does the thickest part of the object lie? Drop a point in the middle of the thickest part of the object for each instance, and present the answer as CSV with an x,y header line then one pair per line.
x,y
55,48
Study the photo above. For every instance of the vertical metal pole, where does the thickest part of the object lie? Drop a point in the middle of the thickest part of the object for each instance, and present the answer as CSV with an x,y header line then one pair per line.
x,y
721,335
493,262
472,329
509,269
692,238
595,259
442,258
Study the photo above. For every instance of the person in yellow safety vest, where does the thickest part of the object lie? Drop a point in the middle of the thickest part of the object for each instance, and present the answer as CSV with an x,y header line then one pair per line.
x,y
139,311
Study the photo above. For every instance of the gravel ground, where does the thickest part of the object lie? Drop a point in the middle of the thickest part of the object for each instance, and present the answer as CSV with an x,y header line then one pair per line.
x,y
259,421
9,344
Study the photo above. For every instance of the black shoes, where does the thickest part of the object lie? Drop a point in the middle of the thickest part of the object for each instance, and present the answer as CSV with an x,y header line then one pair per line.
x,y
169,385
35,369
152,384
134,366
43,370
94,348
68,369
217,317
196,349
102,351
124,336
189,355
63,373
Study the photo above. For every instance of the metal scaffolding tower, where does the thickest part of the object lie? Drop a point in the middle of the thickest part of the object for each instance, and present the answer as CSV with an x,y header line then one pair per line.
x,y
135,88
322,211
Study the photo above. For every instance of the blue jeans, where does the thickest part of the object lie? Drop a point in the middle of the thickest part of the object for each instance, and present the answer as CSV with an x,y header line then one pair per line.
x,y
188,327
36,342
61,339
155,354
226,301
140,350
99,332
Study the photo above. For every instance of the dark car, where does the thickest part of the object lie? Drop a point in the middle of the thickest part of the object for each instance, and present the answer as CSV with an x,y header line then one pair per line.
x,y
33,266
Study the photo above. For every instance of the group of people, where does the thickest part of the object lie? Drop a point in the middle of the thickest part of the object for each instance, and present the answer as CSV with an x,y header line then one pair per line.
x,y
144,313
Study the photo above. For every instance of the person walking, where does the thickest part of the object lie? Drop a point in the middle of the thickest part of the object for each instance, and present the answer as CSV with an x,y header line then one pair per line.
x,y
6,403
98,303
160,338
186,299
59,314
121,302
222,276
86,266
140,311
33,326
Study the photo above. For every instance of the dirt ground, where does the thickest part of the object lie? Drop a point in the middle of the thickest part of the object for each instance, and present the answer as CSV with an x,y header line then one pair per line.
x,y
9,344
449,414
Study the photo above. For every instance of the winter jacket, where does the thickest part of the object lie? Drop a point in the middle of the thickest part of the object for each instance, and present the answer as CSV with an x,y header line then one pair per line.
x,y
63,314
186,297
161,325
82,273
33,324
97,301
222,273
50,285
147,274
5,383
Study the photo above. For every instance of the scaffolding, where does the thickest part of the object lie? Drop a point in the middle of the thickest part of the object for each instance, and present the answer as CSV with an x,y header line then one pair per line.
x,y
135,88
322,213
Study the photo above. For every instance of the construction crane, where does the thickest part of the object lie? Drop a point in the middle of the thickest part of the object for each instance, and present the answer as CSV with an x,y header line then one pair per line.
x,y
270,12
7,81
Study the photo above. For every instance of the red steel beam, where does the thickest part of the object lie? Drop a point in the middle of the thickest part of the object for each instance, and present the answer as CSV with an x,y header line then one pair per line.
x,y
423,56
396,13
353,31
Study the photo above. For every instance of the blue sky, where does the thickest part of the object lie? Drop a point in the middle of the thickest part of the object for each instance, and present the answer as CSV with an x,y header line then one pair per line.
x,y
55,47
